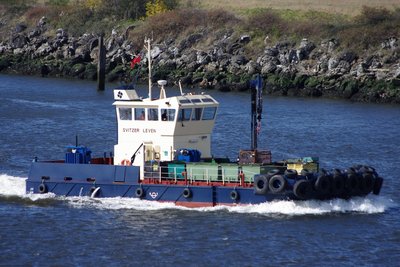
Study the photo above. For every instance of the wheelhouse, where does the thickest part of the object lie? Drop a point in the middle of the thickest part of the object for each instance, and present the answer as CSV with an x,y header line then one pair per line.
x,y
154,129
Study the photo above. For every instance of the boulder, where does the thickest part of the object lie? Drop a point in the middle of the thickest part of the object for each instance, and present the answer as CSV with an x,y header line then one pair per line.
x,y
390,43
348,56
251,67
329,45
202,58
20,27
211,67
18,41
244,39
268,68
333,62
61,34
361,69
190,41
155,52
239,59
271,51
396,74
304,49
43,50
42,22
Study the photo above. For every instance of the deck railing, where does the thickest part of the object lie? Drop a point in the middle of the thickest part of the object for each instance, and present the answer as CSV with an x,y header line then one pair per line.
x,y
224,175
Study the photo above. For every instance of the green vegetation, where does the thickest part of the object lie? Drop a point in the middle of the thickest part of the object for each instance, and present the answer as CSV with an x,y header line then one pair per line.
x,y
355,34
80,16
167,19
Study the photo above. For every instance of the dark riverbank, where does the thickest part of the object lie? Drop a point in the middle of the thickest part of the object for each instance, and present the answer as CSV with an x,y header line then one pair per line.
x,y
220,53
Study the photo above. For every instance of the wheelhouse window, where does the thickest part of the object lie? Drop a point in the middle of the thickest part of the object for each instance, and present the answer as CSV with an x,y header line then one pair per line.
x,y
184,101
167,114
209,113
125,114
207,100
197,114
152,114
184,114
139,114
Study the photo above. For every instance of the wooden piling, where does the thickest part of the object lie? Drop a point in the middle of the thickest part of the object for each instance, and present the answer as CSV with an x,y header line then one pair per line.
x,y
101,66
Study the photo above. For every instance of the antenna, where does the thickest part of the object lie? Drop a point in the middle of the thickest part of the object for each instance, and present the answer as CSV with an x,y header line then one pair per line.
x,y
180,86
148,48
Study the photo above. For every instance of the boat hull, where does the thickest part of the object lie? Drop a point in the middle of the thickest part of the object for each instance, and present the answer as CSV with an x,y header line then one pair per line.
x,y
97,180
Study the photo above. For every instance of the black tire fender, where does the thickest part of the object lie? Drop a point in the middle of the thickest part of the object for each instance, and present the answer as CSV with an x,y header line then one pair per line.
x,y
303,189
367,183
323,185
338,184
187,193
234,195
139,192
273,172
291,174
277,184
42,188
260,184
352,184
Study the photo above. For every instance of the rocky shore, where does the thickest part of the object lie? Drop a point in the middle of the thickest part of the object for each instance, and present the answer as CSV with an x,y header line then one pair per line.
x,y
306,68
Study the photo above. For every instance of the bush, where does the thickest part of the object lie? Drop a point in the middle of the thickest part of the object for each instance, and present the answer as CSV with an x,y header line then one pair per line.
x,y
312,82
266,21
289,24
58,2
370,28
176,22
300,80
373,15
5,62
35,13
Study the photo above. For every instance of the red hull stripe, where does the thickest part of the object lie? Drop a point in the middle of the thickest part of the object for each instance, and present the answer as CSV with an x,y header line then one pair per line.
x,y
195,183
191,204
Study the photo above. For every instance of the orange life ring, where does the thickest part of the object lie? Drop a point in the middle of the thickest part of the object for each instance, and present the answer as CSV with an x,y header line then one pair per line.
x,y
125,162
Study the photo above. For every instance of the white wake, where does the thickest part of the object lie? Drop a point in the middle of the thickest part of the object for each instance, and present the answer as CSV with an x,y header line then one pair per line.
x,y
15,186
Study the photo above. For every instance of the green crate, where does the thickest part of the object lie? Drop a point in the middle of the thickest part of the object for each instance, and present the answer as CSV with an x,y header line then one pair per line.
x,y
202,171
230,172
176,169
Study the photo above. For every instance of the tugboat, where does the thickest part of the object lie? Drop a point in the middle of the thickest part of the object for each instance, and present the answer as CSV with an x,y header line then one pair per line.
x,y
163,153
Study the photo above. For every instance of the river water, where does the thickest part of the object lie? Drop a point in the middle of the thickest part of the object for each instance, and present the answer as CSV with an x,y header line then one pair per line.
x,y
40,116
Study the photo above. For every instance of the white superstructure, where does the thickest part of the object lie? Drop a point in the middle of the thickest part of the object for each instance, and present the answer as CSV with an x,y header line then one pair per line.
x,y
156,128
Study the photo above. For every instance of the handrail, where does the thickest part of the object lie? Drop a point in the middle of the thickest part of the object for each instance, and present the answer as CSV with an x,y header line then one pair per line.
x,y
198,174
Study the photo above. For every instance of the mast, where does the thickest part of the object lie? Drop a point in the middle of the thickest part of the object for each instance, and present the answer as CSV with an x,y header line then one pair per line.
x,y
148,47
256,110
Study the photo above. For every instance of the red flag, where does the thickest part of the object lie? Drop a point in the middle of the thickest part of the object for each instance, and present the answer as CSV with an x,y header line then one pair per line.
x,y
134,61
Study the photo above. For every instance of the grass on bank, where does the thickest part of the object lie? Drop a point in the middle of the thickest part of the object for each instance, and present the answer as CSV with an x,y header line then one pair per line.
x,y
268,26
343,7
292,22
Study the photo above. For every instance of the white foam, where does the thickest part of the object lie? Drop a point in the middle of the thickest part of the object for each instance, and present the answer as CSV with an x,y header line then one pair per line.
x,y
119,203
11,185
15,186
370,205
39,103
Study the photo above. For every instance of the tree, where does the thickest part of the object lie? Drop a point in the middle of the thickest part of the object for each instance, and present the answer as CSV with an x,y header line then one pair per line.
x,y
93,4
155,7
125,9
